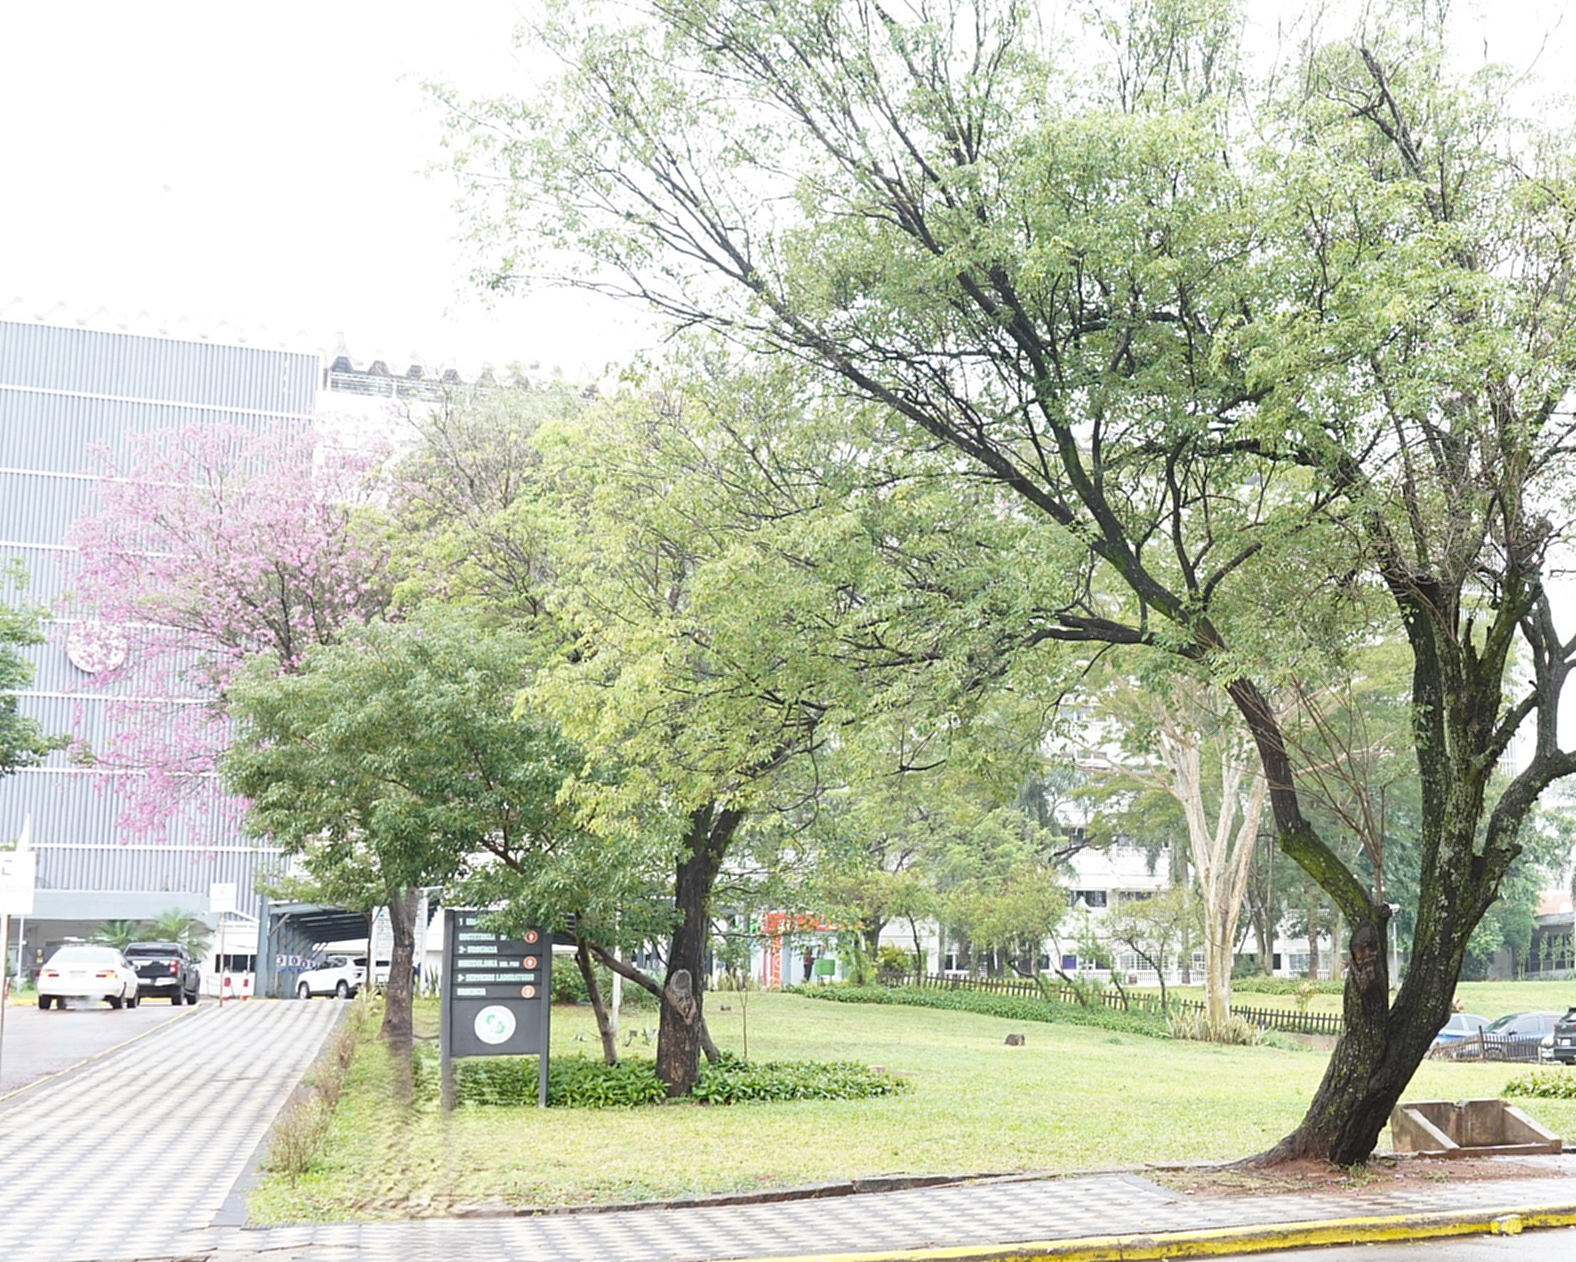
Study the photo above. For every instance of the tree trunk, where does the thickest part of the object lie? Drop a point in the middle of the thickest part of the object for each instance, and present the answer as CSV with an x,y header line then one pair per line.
x,y
604,1024
1313,935
397,1026
680,1034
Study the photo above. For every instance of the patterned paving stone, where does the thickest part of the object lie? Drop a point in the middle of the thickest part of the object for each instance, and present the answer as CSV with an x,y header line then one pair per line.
x,y
75,1158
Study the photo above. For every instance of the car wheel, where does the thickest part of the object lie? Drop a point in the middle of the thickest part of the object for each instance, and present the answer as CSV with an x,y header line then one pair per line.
x,y
114,1001
177,998
302,992
342,990
133,1000
43,1002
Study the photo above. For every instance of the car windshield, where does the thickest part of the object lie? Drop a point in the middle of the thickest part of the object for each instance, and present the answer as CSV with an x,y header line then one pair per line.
x,y
85,955
1503,1025
151,948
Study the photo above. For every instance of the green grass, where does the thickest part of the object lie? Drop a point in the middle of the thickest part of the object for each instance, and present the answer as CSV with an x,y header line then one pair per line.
x,y
1070,1099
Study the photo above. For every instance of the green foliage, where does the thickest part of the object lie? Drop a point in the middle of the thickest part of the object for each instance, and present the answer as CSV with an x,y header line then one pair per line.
x,y
578,1082
570,987
1196,1026
892,964
573,1082
1294,986
1543,1085
732,1081
119,934
1013,1007
23,742
178,926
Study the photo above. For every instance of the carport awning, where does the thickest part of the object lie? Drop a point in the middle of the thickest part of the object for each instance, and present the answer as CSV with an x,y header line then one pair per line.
x,y
313,922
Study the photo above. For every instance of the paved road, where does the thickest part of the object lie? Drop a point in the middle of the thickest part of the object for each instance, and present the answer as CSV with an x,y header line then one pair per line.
x,y
80,1152
181,1110
41,1043
1532,1246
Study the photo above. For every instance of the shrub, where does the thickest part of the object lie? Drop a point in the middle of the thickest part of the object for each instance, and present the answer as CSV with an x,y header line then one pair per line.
x,y
1287,986
892,965
732,1081
1195,1026
297,1137
579,1082
984,1003
1543,1085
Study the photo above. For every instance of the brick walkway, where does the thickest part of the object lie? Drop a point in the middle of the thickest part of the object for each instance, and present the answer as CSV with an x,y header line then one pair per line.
x,y
80,1159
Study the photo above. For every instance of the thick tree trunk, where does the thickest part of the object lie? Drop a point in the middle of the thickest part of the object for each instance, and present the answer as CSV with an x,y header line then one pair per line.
x,y
397,1027
681,1030
604,1024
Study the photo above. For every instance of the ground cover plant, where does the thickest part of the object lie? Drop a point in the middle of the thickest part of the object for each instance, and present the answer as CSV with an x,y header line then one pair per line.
x,y
1070,1098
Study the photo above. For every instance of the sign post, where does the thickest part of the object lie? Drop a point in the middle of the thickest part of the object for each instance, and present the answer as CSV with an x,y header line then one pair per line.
x,y
18,869
496,998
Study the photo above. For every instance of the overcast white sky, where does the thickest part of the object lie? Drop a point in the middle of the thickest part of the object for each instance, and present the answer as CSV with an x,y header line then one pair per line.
x,y
261,166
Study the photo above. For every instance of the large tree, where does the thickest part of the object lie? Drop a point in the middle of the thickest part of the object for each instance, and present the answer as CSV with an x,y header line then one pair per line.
x,y
396,756
205,547
1202,348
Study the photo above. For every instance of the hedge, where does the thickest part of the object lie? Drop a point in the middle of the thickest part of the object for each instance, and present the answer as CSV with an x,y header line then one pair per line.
x,y
1012,1007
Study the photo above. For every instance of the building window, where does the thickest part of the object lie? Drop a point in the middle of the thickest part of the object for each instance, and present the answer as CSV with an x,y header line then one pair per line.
x,y
1090,898
1069,963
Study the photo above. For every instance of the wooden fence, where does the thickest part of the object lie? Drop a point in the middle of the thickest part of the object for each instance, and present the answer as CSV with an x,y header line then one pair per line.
x,y
1282,1020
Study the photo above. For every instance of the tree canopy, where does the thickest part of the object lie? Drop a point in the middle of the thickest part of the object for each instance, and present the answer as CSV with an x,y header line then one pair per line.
x,y
1236,354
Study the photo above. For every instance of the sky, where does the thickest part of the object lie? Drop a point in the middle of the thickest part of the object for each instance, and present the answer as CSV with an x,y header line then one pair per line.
x,y
265,172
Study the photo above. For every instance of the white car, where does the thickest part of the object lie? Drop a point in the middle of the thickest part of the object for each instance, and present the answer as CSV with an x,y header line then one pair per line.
x,y
339,975
87,972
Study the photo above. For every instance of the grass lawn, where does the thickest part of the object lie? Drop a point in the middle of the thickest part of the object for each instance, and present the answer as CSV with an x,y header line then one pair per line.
x,y
1069,1099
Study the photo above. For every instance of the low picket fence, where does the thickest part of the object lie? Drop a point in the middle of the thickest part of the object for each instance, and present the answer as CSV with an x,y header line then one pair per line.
x,y
1281,1020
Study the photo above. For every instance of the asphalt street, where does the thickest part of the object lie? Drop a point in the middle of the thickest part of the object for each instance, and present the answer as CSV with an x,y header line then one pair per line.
x,y
1531,1246
37,1044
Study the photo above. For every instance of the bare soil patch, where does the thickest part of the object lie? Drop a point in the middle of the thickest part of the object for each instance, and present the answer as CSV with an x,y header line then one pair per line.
x,y
1378,1175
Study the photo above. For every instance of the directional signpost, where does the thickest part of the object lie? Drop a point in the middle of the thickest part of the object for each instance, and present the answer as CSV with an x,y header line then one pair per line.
x,y
496,996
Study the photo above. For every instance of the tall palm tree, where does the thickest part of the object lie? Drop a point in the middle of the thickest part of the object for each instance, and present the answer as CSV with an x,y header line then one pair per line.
x,y
117,933
182,927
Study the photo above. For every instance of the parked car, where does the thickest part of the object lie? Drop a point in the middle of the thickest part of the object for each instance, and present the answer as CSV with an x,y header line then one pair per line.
x,y
165,970
338,975
1563,1048
87,972
1516,1036
1461,1025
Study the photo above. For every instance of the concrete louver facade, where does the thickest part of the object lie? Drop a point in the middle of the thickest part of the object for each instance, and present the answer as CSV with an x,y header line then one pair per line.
x,y
64,390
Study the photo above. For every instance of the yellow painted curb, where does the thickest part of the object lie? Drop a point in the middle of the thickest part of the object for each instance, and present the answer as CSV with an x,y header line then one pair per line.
x,y
1218,1241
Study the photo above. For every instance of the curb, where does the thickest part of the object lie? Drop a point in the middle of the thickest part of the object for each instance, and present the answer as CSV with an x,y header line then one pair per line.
x,y
1225,1241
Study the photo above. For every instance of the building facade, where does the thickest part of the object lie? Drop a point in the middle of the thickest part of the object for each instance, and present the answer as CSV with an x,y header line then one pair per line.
x,y
65,392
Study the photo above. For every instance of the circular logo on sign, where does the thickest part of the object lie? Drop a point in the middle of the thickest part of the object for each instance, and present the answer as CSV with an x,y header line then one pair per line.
x,y
494,1024
527,992
530,961
530,935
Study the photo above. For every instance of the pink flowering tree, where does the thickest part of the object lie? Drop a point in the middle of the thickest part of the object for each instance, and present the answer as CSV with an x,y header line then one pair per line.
x,y
206,547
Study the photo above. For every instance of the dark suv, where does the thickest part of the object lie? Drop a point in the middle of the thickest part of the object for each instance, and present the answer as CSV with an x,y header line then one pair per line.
x,y
165,970
1564,1049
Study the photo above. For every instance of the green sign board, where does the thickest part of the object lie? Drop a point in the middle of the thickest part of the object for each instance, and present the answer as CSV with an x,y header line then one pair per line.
x,y
495,997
